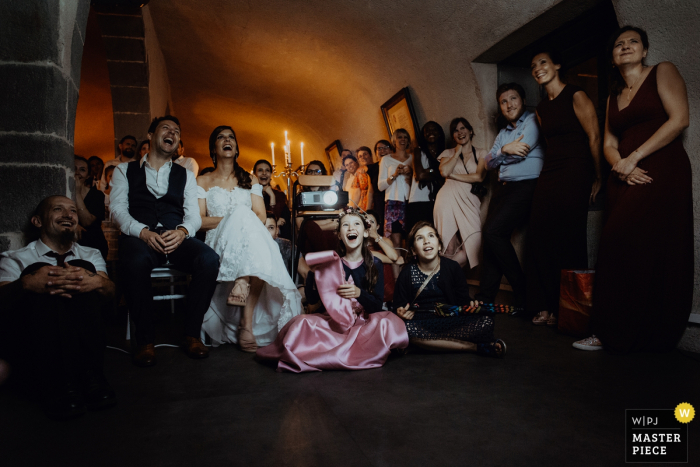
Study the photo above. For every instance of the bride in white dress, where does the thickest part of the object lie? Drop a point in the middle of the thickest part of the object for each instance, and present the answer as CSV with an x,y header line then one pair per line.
x,y
233,214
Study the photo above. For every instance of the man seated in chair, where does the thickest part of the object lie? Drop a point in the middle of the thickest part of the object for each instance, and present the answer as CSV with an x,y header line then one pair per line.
x,y
154,202
51,324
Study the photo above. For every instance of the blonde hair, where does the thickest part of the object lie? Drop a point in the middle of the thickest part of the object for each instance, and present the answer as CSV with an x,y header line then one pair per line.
x,y
401,130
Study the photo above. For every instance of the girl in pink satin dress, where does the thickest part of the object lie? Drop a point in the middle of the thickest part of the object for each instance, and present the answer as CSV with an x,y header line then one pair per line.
x,y
351,333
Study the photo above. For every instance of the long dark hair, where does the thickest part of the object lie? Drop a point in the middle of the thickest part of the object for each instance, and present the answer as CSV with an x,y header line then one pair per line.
x,y
615,80
371,272
243,177
453,128
424,146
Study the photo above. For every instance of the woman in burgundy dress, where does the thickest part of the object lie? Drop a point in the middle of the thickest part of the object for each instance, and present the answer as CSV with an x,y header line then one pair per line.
x,y
557,228
644,277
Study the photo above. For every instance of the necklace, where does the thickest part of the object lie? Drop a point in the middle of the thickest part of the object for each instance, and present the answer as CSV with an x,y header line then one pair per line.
x,y
629,93
432,272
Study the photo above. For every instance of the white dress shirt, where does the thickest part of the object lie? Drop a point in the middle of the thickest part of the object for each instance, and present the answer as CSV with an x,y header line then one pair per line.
x,y
12,263
189,163
157,183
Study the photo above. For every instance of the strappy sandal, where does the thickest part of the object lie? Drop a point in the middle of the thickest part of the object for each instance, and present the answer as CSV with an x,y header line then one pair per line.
x,y
540,320
239,293
246,340
492,349
552,320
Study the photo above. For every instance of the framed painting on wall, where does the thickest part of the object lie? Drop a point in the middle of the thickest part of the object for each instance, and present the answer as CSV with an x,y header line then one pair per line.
x,y
398,113
333,152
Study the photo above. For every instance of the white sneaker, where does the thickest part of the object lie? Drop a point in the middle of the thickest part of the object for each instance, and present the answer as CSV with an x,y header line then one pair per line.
x,y
589,343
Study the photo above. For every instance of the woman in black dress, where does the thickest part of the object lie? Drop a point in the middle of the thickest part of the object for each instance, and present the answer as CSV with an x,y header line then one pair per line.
x,y
643,289
559,215
91,208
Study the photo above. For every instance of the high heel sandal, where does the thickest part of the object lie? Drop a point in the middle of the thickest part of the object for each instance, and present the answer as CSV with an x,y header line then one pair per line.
x,y
552,320
239,293
492,349
246,340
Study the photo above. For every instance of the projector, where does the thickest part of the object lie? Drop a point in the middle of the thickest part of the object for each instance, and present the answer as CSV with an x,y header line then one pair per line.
x,y
322,200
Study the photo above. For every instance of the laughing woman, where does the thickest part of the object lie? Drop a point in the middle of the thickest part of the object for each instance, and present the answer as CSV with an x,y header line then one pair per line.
x,y
255,296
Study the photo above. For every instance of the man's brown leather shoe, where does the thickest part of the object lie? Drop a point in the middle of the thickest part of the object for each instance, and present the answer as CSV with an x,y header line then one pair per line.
x,y
145,355
194,348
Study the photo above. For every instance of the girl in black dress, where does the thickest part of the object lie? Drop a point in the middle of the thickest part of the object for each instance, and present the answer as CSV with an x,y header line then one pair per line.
x,y
432,279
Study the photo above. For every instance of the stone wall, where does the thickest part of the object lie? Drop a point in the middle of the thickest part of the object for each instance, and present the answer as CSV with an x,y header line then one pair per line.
x,y
41,45
137,72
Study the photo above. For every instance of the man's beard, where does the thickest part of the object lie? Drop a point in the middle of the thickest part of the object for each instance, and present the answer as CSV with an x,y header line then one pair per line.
x,y
66,236
128,153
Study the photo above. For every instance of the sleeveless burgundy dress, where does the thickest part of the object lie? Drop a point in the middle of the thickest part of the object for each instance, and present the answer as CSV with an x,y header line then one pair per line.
x,y
556,236
644,277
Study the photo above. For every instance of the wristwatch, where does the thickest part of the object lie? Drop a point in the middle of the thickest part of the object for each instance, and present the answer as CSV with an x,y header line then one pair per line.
x,y
392,178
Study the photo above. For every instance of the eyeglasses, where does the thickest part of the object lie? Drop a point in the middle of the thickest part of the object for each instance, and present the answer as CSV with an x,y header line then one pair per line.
x,y
379,148
314,172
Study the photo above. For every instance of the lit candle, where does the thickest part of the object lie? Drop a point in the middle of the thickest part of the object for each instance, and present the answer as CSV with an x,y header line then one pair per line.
x,y
302,153
272,146
286,141
289,153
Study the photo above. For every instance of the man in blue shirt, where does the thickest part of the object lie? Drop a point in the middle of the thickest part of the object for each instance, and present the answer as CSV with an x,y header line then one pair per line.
x,y
517,155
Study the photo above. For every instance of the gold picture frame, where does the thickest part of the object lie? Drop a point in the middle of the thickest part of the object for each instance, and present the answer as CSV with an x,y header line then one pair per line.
x,y
333,152
398,113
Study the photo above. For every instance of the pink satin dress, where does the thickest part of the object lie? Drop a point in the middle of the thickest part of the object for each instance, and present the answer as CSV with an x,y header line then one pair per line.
x,y
348,335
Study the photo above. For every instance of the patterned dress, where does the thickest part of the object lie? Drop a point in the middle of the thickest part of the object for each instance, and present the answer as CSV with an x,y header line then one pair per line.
x,y
425,324
362,183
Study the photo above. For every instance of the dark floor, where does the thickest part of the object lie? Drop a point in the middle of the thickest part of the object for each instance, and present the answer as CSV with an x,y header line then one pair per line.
x,y
544,404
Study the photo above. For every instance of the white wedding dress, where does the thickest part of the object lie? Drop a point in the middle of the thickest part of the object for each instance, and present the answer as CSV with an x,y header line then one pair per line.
x,y
246,248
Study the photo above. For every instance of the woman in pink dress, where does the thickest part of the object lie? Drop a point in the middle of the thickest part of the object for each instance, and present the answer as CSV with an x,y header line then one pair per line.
x,y
352,333
457,210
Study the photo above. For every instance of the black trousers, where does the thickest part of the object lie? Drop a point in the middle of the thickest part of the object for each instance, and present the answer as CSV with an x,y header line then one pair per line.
x,y
137,260
508,210
52,339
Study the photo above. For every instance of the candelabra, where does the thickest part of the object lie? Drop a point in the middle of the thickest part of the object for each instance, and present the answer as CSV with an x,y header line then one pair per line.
x,y
286,174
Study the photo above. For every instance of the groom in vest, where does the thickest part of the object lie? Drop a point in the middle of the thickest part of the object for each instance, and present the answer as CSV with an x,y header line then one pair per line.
x,y
155,204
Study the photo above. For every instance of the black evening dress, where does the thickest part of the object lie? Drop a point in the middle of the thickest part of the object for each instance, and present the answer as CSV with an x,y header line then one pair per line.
x,y
643,290
556,237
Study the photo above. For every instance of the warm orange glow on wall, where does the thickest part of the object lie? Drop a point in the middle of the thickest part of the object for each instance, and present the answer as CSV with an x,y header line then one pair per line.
x,y
94,121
